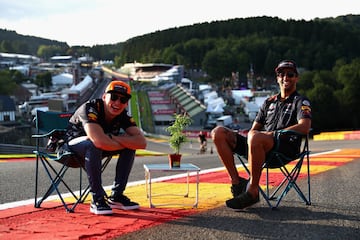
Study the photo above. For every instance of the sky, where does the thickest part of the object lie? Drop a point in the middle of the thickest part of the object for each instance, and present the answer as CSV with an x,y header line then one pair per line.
x,y
98,22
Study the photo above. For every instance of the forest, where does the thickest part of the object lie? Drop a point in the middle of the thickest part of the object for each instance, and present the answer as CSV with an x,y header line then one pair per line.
x,y
327,52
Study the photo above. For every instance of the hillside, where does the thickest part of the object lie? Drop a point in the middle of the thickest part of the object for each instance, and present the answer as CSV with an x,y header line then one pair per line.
x,y
259,41
13,42
238,50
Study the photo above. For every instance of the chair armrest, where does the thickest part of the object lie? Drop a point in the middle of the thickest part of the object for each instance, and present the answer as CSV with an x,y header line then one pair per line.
x,y
284,131
48,133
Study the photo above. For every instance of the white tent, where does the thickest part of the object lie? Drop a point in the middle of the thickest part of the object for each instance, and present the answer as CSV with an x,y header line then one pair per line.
x,y
217,101
203,87
84,84
216,105
260,100
250,107
209,108
62,79
208,97
24,69
239,94
218,109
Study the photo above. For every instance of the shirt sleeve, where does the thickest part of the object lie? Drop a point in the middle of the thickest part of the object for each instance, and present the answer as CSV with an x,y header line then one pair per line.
x,y
86,113
304,109
128,120
91,114
261,115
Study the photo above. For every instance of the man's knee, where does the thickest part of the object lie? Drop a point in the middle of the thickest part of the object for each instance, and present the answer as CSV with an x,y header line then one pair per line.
x,y
218,134
127,153
259,139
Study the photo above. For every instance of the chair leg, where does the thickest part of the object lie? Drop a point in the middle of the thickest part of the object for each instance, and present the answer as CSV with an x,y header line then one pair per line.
x,y
55,181
261,191
56,177
85,193
308,178
288,182
291,178
36,181
288,177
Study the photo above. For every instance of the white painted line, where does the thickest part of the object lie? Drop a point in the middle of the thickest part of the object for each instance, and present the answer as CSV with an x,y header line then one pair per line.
x,y
135,183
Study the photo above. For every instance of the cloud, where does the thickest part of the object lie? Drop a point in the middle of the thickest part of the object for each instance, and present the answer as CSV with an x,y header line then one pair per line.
x,y
23,9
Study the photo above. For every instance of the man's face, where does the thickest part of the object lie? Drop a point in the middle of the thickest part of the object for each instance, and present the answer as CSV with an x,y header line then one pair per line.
x,y
287,79
115,103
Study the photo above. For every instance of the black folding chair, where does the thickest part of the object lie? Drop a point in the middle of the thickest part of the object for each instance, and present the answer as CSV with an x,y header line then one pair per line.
x,y
277,159
51,127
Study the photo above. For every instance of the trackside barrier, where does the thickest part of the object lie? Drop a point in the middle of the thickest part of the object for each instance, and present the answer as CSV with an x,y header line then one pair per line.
x,y
344,135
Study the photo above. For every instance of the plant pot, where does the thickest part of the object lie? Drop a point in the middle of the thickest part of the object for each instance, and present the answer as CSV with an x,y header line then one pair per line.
x,y
174,160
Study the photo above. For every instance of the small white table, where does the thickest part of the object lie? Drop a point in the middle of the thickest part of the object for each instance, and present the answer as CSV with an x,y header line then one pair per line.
x,y
184,167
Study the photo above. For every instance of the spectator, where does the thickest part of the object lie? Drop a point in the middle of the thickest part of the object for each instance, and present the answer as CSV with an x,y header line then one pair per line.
x,y
202,141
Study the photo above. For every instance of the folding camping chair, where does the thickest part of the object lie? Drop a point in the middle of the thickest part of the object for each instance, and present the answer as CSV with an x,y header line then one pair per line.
x,y
51,127
289,167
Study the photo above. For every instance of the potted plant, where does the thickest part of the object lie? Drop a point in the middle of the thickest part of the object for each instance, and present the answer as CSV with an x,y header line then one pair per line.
x,y
177,137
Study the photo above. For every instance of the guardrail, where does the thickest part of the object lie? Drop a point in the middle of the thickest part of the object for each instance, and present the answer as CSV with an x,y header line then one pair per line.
x,y
343,135
16,149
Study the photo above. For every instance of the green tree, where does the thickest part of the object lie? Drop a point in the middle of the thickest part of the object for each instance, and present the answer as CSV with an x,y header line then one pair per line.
x,y
349,76
20,47
194,50
324,107
7,85
6,46
44,80
305,82
47,51
219,63
17,76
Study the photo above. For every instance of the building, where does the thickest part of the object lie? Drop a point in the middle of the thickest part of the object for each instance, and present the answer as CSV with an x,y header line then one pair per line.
x,y
14,59
7,109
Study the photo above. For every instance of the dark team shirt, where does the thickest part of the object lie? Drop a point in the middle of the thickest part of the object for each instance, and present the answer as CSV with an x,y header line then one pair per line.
x,y
275,114
202,138
93,112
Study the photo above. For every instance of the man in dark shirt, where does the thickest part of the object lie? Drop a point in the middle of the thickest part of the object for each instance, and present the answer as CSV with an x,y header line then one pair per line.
x,y
203,141
287,110
94,132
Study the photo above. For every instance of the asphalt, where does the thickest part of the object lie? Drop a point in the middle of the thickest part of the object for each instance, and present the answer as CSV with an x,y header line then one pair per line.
x,y
333,214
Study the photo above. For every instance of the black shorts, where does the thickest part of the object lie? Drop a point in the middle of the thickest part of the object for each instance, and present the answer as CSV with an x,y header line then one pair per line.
x,y
241,147
287,143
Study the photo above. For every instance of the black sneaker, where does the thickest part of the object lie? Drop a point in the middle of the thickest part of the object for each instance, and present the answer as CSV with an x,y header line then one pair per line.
x,y
100,207
237,189
122,202
244,200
